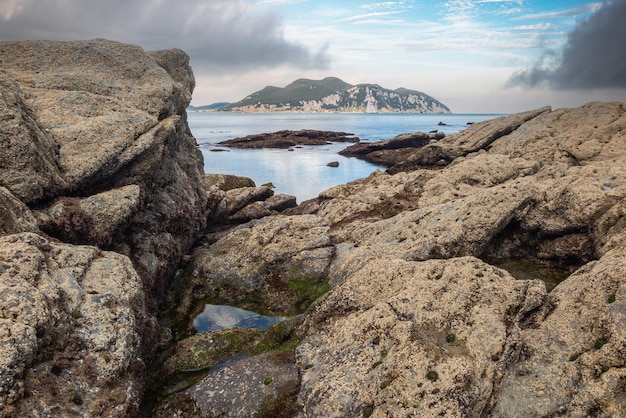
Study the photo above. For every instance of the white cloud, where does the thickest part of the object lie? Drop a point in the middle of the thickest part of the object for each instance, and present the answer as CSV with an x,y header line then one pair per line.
x,y
366,16
219,35
539,26
585,8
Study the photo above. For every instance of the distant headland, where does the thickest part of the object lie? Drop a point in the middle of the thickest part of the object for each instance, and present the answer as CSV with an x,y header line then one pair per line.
x,y
332,94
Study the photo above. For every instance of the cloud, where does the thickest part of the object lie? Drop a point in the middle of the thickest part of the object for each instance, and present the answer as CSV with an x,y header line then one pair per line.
x,y
585,8
219,35
539,26
593,58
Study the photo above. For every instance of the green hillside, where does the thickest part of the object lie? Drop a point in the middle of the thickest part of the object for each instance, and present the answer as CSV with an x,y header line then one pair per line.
x,y
301,89
334,94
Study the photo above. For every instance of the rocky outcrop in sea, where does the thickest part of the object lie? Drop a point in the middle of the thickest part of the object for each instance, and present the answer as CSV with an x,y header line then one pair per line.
x,y
481,275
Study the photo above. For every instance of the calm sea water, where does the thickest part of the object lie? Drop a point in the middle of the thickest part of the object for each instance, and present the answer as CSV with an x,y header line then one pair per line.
x,y
303,172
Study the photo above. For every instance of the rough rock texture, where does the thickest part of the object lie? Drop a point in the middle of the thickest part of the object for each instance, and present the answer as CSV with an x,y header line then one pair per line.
x,y
14,215
95,150
122,123
288,139
419,320
236,200
277,264
72,320
225,393
416,325
226,182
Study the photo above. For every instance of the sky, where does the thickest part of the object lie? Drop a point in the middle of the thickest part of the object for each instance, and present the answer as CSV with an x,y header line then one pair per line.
x,y
475,56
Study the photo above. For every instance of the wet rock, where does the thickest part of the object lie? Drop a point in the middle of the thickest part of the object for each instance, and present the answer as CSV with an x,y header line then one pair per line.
x,y
391,151
268,378
333,164
288,139
276,265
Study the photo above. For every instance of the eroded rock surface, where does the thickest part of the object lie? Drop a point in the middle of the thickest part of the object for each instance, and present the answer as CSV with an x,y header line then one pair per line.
x,y
419,321
95,150
401,309
72,319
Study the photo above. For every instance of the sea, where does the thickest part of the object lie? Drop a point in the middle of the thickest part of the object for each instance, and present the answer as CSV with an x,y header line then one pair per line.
x,y
303,171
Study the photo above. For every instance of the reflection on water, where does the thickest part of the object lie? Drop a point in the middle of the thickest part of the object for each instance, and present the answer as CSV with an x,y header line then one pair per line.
x,y
303,171
218,317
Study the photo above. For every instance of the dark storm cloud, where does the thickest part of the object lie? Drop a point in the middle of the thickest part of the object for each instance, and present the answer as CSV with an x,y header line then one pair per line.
x,y
219,35
594,56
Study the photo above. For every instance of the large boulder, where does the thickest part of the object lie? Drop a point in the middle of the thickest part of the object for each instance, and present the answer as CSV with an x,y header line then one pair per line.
x,y
91,117
277,265
96,151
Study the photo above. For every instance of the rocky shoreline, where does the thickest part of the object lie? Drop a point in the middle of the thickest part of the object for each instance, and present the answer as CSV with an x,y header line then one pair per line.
x,y
412,292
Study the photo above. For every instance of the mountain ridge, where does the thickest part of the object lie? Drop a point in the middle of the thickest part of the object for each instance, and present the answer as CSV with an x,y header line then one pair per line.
x,y
331,94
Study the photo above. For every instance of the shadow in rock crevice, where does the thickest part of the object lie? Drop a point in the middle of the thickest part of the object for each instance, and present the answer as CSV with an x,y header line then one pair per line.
x,y
531,255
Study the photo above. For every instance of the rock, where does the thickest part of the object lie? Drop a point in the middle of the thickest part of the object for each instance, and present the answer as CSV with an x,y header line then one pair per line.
x,y
255,210
269,377
95,220
474,138
571,362
29,166
15,216
226,182
122,123
417,324
388,152
72,323
287,139
280,202
235,200
276,265
98,147
402,338
333,164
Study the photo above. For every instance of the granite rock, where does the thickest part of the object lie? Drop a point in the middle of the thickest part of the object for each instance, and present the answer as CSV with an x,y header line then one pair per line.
x,y
73,319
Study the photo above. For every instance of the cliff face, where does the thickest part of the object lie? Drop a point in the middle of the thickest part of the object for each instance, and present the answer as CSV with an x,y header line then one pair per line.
x,y
96,154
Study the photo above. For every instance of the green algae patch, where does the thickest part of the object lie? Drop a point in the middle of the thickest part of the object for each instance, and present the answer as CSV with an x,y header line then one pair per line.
x,y
307,290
